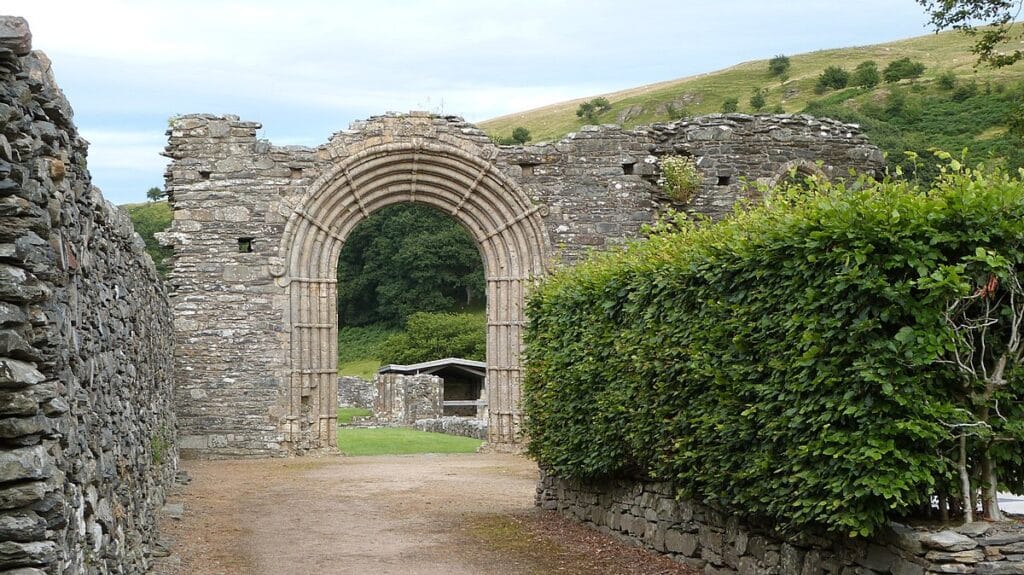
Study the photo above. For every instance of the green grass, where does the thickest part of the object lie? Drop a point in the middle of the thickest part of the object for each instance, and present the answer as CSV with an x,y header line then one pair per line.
x,y
364,368
704,94
401,441
147,219
359,349
345,414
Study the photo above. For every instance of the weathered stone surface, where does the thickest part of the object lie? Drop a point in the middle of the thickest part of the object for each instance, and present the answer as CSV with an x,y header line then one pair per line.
x,y
948,541
1000,568
969,556
86,425
15,35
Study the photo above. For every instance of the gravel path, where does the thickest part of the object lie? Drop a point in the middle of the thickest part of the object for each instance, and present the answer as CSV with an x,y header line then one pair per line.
x,y
416,515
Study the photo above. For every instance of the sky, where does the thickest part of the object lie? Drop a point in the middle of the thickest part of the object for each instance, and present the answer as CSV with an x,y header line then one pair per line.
x,y
308,68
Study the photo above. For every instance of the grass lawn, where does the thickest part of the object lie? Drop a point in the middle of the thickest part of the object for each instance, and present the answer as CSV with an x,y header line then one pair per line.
x,y
345,414
364,368
399,441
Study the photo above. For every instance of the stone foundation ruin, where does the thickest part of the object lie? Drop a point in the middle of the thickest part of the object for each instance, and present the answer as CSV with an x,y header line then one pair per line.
x,y
258,228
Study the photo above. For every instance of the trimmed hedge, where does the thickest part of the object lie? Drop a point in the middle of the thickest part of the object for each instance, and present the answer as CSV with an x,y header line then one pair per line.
x,y
789,362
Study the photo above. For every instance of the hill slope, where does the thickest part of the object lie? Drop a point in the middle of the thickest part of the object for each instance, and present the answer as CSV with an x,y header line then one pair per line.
x,y
983,98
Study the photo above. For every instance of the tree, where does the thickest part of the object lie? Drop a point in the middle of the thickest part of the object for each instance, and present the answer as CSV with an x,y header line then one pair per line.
x,y
155,194
866,75
430,336
992,44
590,110
833,77
730,105
520,135
778,65
903,68
403,259
758,100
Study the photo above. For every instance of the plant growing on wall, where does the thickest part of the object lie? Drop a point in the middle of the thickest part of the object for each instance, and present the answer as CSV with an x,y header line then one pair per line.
x,y
680,178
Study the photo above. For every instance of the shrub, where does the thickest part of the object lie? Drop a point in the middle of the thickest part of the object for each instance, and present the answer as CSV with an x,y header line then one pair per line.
x,y
833,77
866,75
758,100
903,68
964,91
680,178
730,105
778,65
590,110
520,135
430,336
790,363
947,80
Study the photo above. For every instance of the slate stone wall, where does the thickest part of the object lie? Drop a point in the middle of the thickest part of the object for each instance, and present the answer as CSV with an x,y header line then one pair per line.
x,y
86,428
650,515
406,399
356,392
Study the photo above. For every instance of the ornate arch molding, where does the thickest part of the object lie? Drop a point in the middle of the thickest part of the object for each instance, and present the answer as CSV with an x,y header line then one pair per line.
x,y
805,168
505,223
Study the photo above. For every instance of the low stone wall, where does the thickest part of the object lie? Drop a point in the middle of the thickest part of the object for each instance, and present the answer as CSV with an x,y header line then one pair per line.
x,y
649,515
462,426
86,429
356,392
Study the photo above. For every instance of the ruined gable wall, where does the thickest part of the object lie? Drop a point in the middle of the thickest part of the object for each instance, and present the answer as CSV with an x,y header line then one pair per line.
x,y
86,428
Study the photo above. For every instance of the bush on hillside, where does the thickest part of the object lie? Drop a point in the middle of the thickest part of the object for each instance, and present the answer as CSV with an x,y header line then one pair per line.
x,y
834,77
778,65
430,336
866,75
730,105
901,69
795,363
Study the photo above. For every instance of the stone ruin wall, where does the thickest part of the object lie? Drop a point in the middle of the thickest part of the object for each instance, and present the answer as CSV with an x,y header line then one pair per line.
x,y
595,189
651,515
86,428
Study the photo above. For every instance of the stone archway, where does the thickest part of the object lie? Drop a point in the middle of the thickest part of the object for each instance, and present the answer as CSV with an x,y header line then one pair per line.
x,y
505,223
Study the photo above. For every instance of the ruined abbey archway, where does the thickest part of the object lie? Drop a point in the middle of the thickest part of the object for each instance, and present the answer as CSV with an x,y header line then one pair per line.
x,y
258,229
499,216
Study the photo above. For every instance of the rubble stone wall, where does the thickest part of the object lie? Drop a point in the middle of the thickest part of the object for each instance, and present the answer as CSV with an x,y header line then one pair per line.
x,y
86,428
406,399
356,392
650,515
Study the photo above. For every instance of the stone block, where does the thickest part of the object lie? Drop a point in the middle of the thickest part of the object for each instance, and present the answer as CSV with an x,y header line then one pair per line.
x,y
969,556
877,558
948,541
27,463
999,568
678,542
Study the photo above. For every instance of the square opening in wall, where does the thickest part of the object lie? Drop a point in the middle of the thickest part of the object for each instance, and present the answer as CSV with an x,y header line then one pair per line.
x,y
245,245
295,173
627,169
204,174
723,180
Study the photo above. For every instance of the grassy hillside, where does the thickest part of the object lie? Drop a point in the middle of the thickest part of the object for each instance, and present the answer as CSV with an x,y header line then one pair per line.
x,y
149,218
943,54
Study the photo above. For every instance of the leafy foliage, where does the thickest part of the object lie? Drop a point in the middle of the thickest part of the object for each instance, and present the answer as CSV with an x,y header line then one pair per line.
x,y
403,259
520,136
155,194
787,363
679,177
992,41
148,219
591,109
730,105
866,75
779,65
758,99
903,69
834,77
430,336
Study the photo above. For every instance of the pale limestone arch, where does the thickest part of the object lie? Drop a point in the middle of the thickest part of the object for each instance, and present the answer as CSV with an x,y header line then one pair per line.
x,y
505,223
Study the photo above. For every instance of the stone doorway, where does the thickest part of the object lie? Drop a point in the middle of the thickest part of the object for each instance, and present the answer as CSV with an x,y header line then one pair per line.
x,y
505,223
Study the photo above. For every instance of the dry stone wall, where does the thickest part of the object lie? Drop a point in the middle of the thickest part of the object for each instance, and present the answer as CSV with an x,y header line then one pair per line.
x,y
254,378
651,515
406,399
86,428
356,392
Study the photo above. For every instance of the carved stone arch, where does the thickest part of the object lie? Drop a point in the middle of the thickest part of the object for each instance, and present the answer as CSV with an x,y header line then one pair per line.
x,y
802,167
504,222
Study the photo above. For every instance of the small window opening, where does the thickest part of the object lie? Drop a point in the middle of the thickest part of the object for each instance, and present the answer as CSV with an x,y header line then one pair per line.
x,y
295,173
723,180
245,245
527,169
204,174
627,169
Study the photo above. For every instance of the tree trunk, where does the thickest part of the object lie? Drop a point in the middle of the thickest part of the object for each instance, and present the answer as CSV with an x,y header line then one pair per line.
x,y
965,482
989,487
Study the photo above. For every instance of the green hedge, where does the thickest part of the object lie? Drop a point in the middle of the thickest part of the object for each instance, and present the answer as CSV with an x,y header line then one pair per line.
x,y
788,363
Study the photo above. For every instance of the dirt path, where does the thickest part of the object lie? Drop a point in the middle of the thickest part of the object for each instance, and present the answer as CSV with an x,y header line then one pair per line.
x,y
443,514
